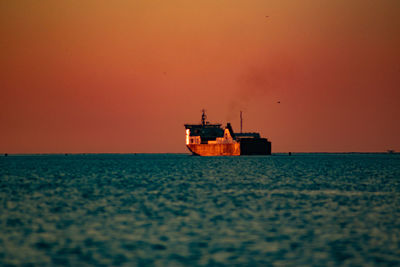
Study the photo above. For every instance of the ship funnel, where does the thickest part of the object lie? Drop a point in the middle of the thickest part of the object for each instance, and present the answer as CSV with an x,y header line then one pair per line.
x,y
229,126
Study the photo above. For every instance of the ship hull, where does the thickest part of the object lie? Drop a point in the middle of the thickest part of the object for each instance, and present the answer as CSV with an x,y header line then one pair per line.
x,y
259,146
245,147
215,149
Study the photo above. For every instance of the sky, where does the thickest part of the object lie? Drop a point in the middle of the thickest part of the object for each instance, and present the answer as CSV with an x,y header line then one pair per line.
x,y
124,76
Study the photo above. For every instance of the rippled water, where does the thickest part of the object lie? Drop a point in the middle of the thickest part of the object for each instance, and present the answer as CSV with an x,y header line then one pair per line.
x,y
172,210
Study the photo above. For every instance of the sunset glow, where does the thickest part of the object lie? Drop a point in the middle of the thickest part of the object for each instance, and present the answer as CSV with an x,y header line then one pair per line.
x,y
124,76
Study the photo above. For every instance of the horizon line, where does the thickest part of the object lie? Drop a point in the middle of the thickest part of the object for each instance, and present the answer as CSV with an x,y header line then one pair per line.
x,y
186,153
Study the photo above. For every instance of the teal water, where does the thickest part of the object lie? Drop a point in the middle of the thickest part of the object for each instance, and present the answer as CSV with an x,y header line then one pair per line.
x,y
180,210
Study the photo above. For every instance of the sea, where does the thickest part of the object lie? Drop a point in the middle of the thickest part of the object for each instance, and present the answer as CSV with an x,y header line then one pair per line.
x,y
183,210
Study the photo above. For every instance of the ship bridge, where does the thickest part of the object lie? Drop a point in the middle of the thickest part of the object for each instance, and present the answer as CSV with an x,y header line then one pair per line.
x,y
205,132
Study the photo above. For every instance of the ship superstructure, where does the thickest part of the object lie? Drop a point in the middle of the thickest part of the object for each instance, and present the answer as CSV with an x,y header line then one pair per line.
x,y
207,139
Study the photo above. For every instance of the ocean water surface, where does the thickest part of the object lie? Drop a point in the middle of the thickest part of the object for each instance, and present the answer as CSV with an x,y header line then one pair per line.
x,y
181,210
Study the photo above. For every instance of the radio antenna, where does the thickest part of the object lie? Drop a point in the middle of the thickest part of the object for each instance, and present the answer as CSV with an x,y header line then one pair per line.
x,y
241,122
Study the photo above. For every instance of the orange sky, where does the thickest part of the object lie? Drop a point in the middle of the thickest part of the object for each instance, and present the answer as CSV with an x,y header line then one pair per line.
x,y
124,76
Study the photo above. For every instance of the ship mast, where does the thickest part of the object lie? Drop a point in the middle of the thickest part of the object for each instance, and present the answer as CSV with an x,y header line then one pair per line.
x,y
203,117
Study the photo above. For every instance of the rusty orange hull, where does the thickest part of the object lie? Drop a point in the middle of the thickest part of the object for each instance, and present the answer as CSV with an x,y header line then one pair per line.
x,y
215,149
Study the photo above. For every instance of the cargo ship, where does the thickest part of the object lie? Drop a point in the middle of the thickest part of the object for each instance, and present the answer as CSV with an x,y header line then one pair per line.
x,y
208,139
